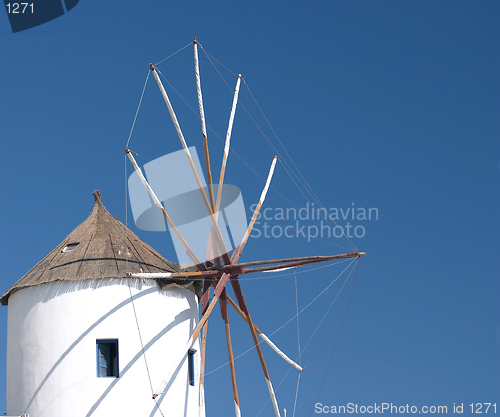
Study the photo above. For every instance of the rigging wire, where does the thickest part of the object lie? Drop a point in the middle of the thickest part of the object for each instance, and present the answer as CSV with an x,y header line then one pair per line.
x,y
319,295
336,320
285,164
130,291
333,327
170,56
306,186
289,171
340,332
137,111
290,320
293,255
324,316
210,57
143,351
304,182
343,238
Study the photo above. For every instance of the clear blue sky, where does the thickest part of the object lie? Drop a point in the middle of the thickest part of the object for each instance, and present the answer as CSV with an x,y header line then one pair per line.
x,y
384,104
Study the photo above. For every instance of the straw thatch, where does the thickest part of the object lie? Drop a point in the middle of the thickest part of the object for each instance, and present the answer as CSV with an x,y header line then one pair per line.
x,y
101,247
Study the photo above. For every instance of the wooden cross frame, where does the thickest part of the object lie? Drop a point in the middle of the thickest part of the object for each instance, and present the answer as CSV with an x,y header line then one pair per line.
x,y
224,269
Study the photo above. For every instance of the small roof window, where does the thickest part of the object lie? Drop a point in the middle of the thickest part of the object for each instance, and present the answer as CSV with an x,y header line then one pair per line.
x,y
69,247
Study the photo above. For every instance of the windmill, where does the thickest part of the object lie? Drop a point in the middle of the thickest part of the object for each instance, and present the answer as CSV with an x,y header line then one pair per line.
x,y
221,268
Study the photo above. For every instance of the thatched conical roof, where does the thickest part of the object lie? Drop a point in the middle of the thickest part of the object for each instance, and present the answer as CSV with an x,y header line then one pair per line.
x,y
101,247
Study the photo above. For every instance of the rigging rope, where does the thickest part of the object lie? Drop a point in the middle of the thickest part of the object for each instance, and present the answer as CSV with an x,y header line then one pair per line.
x,y
140,338
324,317
303,182
137,111
290,320
130,290
349,246
334,323
293,255
351,290
143,351
170,56
289,171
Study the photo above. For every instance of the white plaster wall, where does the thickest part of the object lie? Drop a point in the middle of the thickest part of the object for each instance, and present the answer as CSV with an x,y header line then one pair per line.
x,y
51,349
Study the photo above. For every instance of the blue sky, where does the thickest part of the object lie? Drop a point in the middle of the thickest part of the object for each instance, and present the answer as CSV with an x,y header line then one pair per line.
x,y
384,104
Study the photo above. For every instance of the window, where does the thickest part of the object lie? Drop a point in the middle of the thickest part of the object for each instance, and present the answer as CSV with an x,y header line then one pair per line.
x,y
191,353
107,358
69,247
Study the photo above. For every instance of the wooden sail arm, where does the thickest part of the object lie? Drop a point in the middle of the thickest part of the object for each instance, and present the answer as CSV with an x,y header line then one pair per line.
x,y
306,259
203,125
210,211
264,337
152,194
204,305
201,390
241,269
309,260
225,317
205,298
241,301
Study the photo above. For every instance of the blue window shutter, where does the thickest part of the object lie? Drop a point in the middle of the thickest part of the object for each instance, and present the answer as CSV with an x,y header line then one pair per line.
x,y
191,353
107,358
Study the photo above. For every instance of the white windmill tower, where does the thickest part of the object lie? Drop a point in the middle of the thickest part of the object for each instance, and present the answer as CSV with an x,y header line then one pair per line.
x,y
79,332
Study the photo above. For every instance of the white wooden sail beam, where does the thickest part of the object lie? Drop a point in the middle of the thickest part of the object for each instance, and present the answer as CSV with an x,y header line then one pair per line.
x,y
181,137
189,251
264,337
194,274
227,145
225,317
221,284
189,157
203,124
237,251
